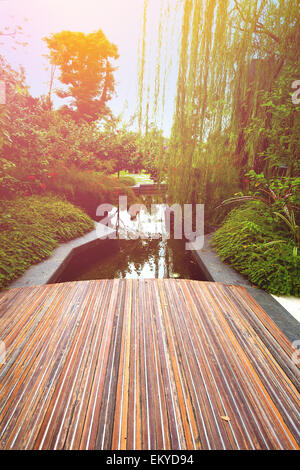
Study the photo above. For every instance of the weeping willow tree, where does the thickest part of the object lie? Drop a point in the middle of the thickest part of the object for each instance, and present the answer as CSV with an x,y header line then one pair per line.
x,y
226,55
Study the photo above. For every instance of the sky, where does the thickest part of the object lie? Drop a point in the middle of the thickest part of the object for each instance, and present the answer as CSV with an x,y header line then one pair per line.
x,y
120,20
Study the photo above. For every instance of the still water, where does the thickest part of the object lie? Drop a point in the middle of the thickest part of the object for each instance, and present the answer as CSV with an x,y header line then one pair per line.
x,y
154,254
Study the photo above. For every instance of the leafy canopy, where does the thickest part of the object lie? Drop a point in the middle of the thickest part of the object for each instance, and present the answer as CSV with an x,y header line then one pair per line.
x,y
85,63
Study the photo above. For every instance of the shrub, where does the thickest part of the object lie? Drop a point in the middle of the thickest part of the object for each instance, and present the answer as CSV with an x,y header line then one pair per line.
x,y
83,188
257,245
30,228
127,180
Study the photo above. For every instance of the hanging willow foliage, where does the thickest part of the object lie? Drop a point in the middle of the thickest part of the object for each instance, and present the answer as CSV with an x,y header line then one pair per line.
x,y
225,55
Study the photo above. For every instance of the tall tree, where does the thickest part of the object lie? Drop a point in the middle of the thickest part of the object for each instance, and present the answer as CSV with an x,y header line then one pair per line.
x,y
85,63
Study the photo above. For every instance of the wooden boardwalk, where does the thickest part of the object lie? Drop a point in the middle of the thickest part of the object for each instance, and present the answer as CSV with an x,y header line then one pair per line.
x,y
144,364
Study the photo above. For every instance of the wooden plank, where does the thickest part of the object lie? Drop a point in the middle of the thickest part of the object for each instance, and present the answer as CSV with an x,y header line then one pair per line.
x,y
144,364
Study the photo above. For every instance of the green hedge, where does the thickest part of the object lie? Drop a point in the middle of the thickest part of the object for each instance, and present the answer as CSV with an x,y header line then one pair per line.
x,y
242,241
31,227
88,189
127,180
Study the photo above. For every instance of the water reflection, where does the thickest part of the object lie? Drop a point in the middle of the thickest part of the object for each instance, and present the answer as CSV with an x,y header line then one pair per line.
x,y
139,221
154,255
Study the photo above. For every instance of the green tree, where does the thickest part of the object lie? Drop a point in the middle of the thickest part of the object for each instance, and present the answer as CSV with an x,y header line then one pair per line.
x,y
153,146
273,134
119,149
85,62
24,120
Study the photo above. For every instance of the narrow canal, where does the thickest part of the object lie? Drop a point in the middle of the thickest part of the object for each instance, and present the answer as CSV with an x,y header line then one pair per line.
x,y
147,250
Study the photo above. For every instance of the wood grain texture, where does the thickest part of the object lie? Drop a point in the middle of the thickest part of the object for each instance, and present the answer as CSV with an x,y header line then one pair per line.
x,y
144,364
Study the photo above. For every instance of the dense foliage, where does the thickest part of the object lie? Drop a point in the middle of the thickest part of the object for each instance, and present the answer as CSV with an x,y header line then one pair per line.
x,y
258,246
31,228
264,235
272,136
88,189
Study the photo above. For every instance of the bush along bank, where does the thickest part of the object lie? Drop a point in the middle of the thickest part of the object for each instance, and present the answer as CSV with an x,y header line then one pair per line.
x,y
83,188
258,244
31,227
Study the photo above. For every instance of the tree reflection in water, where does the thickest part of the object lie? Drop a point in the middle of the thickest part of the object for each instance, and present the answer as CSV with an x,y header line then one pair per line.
x,y
150,257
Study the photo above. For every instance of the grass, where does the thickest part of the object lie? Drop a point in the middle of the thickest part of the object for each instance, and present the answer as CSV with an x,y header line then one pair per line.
x,y
31,227
142,178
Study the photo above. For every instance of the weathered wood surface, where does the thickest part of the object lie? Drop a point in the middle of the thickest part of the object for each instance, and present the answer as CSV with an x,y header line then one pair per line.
x,y
144,364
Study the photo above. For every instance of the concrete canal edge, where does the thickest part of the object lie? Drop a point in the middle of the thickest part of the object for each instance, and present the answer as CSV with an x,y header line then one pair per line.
x,y
216,270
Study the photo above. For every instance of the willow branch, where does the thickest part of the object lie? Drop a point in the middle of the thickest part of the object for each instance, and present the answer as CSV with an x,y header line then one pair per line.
x,y
259,27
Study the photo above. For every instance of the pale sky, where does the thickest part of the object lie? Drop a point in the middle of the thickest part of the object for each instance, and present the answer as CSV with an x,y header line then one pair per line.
x,y
120,20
